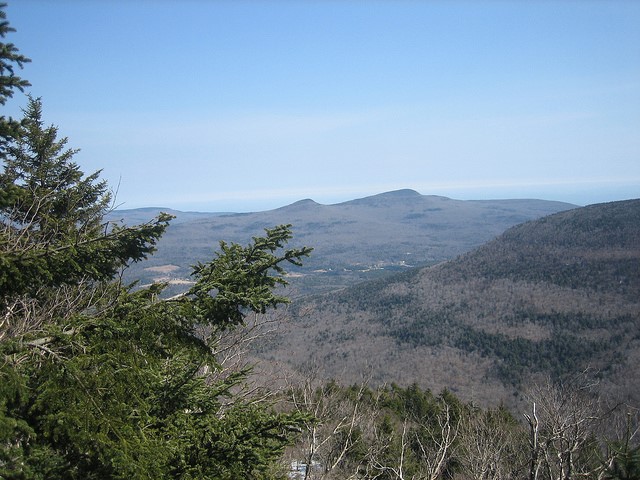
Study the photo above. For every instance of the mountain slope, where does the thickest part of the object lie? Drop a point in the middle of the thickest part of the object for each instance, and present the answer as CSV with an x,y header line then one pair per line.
x,y
548,297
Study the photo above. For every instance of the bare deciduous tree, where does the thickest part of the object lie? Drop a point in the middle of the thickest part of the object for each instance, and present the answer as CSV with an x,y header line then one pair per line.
x,y
334,432
491,445
418,448
563,425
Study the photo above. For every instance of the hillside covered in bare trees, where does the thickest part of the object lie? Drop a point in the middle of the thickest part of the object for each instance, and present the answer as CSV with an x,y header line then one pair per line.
x,y
548,298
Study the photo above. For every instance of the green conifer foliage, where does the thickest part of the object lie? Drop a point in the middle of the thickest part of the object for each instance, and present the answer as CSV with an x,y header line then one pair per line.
x,y
10,58
122,391
52,216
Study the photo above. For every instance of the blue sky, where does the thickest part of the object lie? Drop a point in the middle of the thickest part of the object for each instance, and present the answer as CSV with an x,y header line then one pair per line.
x,y
252,105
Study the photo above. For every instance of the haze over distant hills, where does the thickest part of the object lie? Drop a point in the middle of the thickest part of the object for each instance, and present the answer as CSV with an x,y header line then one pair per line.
x,y
352,241
549,297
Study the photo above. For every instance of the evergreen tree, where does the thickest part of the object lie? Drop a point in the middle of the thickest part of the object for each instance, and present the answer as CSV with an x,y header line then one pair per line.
x,y
123,390
99,381
10,58
102,382
52,230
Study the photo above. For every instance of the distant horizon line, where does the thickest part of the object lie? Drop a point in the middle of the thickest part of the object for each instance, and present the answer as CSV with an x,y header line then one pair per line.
x,y
287,203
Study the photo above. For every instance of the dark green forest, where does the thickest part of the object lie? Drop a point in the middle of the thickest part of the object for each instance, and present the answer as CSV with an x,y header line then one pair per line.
x,y
103,379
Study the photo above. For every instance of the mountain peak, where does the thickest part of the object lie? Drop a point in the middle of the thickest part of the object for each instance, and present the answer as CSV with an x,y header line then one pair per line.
x,y
392,197
305,201
404,192
300,205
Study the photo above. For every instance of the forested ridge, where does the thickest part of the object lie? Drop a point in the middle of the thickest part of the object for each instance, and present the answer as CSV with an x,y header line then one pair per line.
x,y
102,379
594,247
548,297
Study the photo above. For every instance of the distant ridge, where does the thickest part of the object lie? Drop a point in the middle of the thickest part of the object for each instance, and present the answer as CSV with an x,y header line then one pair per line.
x,y
135,216
353,241
405,193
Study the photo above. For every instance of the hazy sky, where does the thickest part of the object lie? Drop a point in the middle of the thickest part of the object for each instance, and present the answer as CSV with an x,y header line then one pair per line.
x,y
252,105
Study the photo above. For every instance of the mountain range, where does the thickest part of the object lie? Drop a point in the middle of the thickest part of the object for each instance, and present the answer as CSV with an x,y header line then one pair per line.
x,y
353,241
